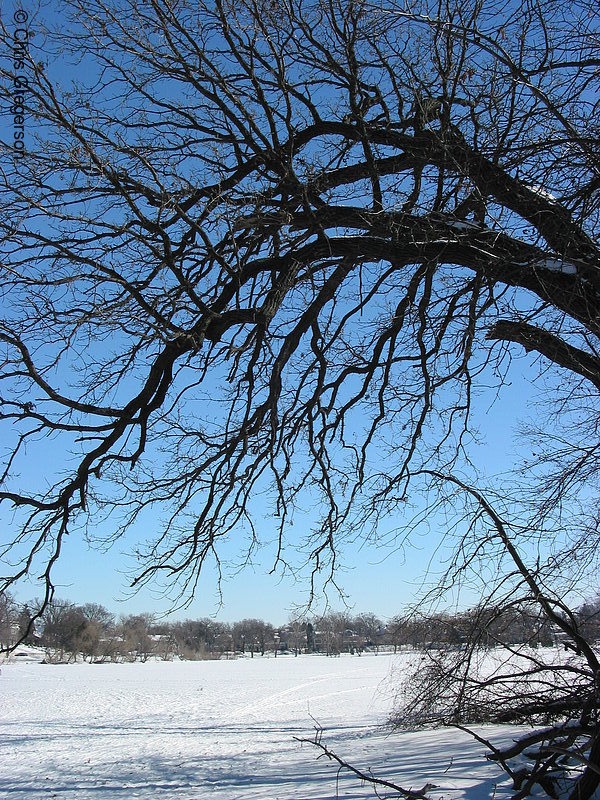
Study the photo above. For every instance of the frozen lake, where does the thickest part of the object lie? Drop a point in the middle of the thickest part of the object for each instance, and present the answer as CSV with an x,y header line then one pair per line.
x,y
219,729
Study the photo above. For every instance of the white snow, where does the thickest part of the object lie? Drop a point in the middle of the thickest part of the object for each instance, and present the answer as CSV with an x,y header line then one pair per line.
x,y
222,729
557,265
542,192
464,225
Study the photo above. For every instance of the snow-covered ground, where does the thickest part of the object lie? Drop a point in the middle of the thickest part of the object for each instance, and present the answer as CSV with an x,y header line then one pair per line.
x,y
220,729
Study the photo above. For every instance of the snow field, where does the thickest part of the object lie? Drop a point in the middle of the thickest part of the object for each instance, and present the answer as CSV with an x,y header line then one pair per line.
x,y
219,729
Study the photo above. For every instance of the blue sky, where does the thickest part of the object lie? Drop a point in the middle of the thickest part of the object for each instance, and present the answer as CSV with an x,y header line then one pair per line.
x,y
378,578
374,577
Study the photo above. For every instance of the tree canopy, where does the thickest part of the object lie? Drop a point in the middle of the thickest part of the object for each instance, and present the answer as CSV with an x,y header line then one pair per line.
x,y
257,255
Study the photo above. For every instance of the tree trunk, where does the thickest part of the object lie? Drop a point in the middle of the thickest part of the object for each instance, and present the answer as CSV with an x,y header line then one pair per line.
x,y
590,779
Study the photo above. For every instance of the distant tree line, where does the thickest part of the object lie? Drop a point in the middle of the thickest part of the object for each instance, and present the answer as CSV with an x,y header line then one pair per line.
x,y
69,631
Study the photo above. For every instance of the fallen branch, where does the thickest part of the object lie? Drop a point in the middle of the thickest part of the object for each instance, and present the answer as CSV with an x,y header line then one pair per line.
x,y
410,794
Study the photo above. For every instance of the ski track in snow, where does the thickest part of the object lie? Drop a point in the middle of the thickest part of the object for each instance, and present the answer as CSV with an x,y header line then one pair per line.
x,y
222,730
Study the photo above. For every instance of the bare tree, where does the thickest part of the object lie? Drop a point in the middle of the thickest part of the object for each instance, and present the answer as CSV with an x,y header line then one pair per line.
x,y
137,643
271,249
8,616
369,627
252,235
519,683
64,631
253,636
99,638
296,635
